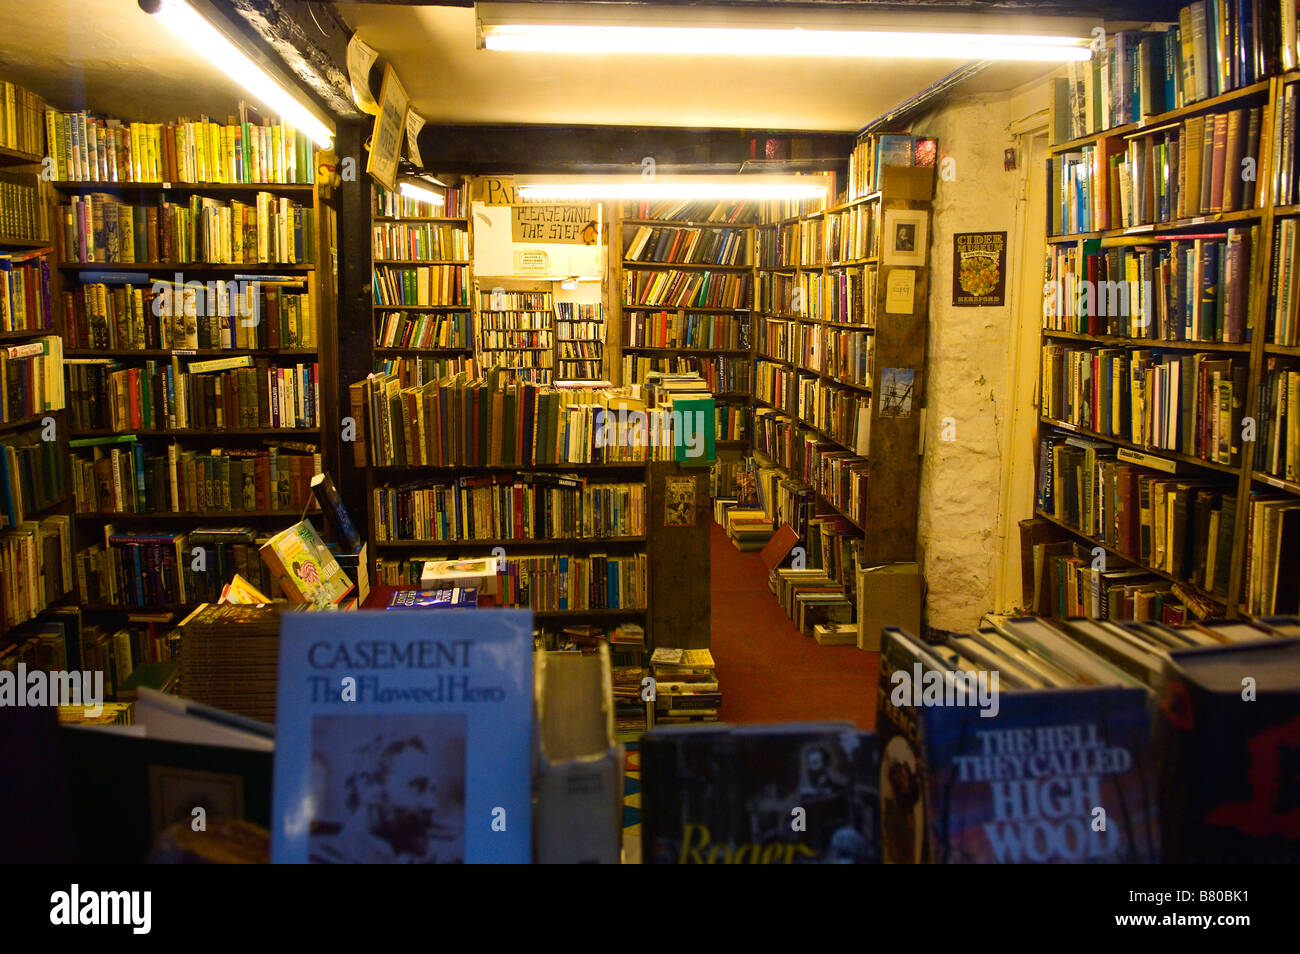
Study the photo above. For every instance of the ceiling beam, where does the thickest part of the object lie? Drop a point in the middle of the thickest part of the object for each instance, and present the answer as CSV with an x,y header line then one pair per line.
x,y
532,149
310,38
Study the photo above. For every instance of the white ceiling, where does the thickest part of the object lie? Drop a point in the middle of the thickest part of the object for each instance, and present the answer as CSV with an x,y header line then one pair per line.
x,y
450,81
111,55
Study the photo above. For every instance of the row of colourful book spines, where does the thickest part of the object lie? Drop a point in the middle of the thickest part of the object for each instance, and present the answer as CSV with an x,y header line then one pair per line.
x,y
203,152
129,331
300,385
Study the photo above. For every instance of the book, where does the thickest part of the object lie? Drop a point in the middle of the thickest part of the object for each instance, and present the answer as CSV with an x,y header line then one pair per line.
x,y
304,568
458,597
480,573
580,782
721,795
335,511
1219,758
432,761
1090,744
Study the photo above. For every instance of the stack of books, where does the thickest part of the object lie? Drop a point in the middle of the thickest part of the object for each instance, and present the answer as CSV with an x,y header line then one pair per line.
x,y
748,529
230,658
810,597
686,686
628,672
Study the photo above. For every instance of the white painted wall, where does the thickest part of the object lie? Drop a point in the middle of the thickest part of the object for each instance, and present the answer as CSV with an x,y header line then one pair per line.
x,y
981,365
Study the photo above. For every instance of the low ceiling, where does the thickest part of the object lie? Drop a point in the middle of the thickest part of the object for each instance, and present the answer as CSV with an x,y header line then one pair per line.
x,y
111,56
450,81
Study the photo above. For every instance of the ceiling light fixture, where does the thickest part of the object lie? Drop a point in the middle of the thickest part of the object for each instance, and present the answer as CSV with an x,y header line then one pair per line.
x,y
560,188
418,192
603,28
759,42
220,50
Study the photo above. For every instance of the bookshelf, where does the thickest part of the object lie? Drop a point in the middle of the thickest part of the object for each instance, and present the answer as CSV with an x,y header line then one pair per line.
x,y
838,365
200,354
422,342
685,282
35,529
515,328
580,341
1173,408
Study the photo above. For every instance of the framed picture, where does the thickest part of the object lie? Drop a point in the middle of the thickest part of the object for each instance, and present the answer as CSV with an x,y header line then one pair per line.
x,y
679,502
906,237
174,793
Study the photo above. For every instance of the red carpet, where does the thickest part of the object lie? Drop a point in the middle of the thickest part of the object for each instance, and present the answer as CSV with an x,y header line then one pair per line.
x,y
767,670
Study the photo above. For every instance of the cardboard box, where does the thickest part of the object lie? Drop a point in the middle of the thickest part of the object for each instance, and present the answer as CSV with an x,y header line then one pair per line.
x,y
888,595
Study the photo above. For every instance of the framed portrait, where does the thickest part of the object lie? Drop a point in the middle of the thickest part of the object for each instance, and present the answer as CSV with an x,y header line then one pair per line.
x,y
906,237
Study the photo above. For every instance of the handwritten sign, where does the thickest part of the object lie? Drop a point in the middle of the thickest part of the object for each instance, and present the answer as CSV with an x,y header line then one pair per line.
x,y
390,125
553,224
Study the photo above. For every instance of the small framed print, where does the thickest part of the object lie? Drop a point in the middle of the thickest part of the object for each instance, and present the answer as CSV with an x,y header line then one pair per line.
x,y
906,238
174,793
679,501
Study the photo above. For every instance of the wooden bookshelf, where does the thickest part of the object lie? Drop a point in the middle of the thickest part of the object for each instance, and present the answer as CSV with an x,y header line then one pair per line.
x,y
807,257
721,363
1244,476
461,350
322,434
31,428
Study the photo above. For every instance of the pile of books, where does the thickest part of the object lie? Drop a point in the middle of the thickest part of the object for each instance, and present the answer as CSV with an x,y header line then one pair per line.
x,y
230,658
686,686
628,672
811,598
749,529
1080,696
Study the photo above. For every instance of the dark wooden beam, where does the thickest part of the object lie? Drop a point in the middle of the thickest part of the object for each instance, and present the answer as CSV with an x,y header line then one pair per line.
x,y
311,40
527,149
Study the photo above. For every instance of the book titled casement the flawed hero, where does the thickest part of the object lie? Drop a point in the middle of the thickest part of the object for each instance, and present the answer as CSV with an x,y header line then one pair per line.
x,y
404,738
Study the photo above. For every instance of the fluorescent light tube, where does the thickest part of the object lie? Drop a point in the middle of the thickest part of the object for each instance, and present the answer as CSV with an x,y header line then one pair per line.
x,y
670,187
419,193
217,48
566,38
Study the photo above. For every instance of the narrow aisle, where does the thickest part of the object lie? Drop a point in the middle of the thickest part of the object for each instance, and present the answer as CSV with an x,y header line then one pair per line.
x,y
768,672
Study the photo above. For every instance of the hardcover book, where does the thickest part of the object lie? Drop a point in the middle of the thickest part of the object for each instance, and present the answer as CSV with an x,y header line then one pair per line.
x,y
801,793
1052,776
1226,737
404,738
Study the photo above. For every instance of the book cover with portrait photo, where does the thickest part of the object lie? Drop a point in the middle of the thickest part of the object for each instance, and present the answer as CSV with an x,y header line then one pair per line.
x,y
404,738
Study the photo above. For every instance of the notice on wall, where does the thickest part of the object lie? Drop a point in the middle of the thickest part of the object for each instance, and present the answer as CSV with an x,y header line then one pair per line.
x,y
414,123
979,268
554,224
900,291
532,260
390,126
361,58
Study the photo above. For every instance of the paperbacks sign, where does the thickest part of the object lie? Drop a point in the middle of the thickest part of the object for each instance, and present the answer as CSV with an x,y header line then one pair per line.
x,y
540,221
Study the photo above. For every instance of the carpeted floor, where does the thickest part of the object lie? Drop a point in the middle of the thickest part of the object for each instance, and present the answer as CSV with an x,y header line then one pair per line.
x,y
767,670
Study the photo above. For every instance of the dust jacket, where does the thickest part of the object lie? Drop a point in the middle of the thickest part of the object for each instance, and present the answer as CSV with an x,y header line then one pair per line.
x,y
404,738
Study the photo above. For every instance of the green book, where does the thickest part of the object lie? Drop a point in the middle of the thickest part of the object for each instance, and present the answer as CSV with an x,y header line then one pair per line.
x,y
694,442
